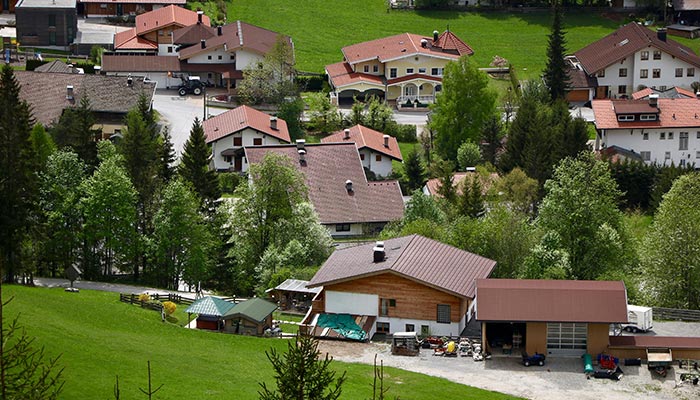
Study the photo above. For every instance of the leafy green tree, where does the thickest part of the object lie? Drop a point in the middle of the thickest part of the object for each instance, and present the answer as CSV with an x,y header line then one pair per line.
x,y
181,238
75,129
166,157
444,172
271,80
42,143
18,180
109,209
663,181
468,155
491,135
60,193
556,73
291,112
462,108
271,212
194,166
301,373
323,116
548,260
422,206
581,208
518,191
413,171
670,252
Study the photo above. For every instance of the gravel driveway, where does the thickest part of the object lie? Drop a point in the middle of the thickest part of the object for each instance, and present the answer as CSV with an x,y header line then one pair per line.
x,y
560,378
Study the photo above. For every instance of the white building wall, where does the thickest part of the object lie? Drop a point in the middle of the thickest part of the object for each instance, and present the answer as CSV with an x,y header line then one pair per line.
x,y
633,139
226,142
436,329
167,49
355,230
245,58
352,303
381,168
215,56
613,80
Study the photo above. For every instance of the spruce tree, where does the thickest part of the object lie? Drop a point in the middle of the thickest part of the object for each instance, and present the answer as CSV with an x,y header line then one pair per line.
x,y
166,156
18,181
444,173
194,166
75,129
491,136
555,73
413,171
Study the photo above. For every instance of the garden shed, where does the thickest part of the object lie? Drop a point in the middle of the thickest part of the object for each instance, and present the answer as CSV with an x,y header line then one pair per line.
x,y
210,311
293,295
250,317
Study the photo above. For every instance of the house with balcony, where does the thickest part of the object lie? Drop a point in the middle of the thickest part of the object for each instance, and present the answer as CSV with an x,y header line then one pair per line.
x,y
632,58
657,130
399,68
377,150
115,8
228,133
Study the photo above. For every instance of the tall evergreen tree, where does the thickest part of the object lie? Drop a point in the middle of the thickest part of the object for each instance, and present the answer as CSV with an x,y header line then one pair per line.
x,y
42,143
444,171
413,171
75,129
470,202
18,180
194,166
555,73
491,136
166,156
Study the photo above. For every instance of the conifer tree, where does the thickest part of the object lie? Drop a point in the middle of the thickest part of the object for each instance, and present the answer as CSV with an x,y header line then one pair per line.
x,y
194,166
75,129
18,179
555,73
413,171
166,156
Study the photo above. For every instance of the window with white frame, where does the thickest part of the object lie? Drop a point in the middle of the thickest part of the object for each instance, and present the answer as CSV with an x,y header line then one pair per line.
x,y
375,68
644,55
392,72
683,141
443,314
646,155
623,72
409,71
366,68
647,117
657,55
643,73
625,118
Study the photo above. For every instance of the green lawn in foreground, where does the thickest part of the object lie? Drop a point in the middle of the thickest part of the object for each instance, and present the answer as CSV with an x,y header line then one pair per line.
x,y
320,28
100,337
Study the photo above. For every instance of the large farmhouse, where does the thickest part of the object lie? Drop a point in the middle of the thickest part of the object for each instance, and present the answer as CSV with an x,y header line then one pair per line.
x,y
409,283
377,151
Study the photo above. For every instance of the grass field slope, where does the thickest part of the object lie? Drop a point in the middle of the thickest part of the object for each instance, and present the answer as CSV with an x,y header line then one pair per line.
x,y
99,337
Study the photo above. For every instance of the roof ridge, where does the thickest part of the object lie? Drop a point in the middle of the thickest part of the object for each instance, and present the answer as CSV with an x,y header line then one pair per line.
x,y
403,251
240,32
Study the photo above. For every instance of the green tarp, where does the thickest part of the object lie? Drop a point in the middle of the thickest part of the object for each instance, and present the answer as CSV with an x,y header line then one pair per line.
x,y
344,324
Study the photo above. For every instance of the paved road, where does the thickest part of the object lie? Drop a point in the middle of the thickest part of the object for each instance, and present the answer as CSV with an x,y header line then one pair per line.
x,y
103,286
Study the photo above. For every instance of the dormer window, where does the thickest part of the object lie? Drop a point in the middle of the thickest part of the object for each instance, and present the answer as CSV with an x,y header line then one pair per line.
x,y
647,117
625,118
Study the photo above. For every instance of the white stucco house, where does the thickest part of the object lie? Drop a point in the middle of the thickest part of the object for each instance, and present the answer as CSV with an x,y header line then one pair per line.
x,y
656,130
230,132
376,149
634,57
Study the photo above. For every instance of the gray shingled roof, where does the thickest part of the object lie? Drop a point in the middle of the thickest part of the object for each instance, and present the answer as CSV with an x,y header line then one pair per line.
x,y
414,257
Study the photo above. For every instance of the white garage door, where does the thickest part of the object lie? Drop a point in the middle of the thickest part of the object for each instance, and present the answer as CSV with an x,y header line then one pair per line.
x,y
567,338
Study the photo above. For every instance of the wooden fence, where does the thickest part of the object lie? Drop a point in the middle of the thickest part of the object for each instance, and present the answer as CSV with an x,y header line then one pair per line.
x,y
135,299
676,314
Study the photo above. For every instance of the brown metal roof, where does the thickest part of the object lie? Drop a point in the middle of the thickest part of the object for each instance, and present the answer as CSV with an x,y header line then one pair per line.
x,y
634,107
193,34
414,257
326,169
626,41
240,118
238,35
655,341
535,300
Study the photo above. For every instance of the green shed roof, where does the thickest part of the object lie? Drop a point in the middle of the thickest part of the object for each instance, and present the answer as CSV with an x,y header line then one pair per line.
x,y
255,309
210,306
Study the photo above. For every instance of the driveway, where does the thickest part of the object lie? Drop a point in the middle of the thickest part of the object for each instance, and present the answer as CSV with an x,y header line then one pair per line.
x,y
103,286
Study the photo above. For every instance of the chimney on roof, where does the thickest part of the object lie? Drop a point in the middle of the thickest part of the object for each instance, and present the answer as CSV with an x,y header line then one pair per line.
x,y
199,16
302,156
697,94
129,81
661,34
423,43
436,34
273,123
348,186
301,144
347,134
654,100
203,43
379,253
69,92
219,30
386,141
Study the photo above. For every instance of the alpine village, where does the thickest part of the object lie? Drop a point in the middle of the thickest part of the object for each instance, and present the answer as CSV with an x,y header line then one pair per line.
x,y
373,199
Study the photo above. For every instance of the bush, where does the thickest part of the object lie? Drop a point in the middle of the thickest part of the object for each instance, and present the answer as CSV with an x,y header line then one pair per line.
x,y
311,83
402,133
228,182
34,64
144,297
169,307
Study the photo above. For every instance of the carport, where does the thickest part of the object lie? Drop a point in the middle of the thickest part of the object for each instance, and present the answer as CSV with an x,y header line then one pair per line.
x,y
555,317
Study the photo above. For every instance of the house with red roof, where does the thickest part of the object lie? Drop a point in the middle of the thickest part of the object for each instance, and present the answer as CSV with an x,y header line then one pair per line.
x,y
404,284
659,130
346,203
100,8
632,58
228,133
377,150
400,68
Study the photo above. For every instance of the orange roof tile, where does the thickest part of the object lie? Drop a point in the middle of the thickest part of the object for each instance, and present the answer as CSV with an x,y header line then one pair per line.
x,y
242,117
673,113
363,137
128,40
404,45
165,16
341,74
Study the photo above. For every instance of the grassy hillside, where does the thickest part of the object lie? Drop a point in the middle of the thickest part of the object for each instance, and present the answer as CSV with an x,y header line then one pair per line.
x,y
99,337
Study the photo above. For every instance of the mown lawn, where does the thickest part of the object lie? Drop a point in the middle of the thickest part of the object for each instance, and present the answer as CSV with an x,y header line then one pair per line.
x,y
320,28
99,337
